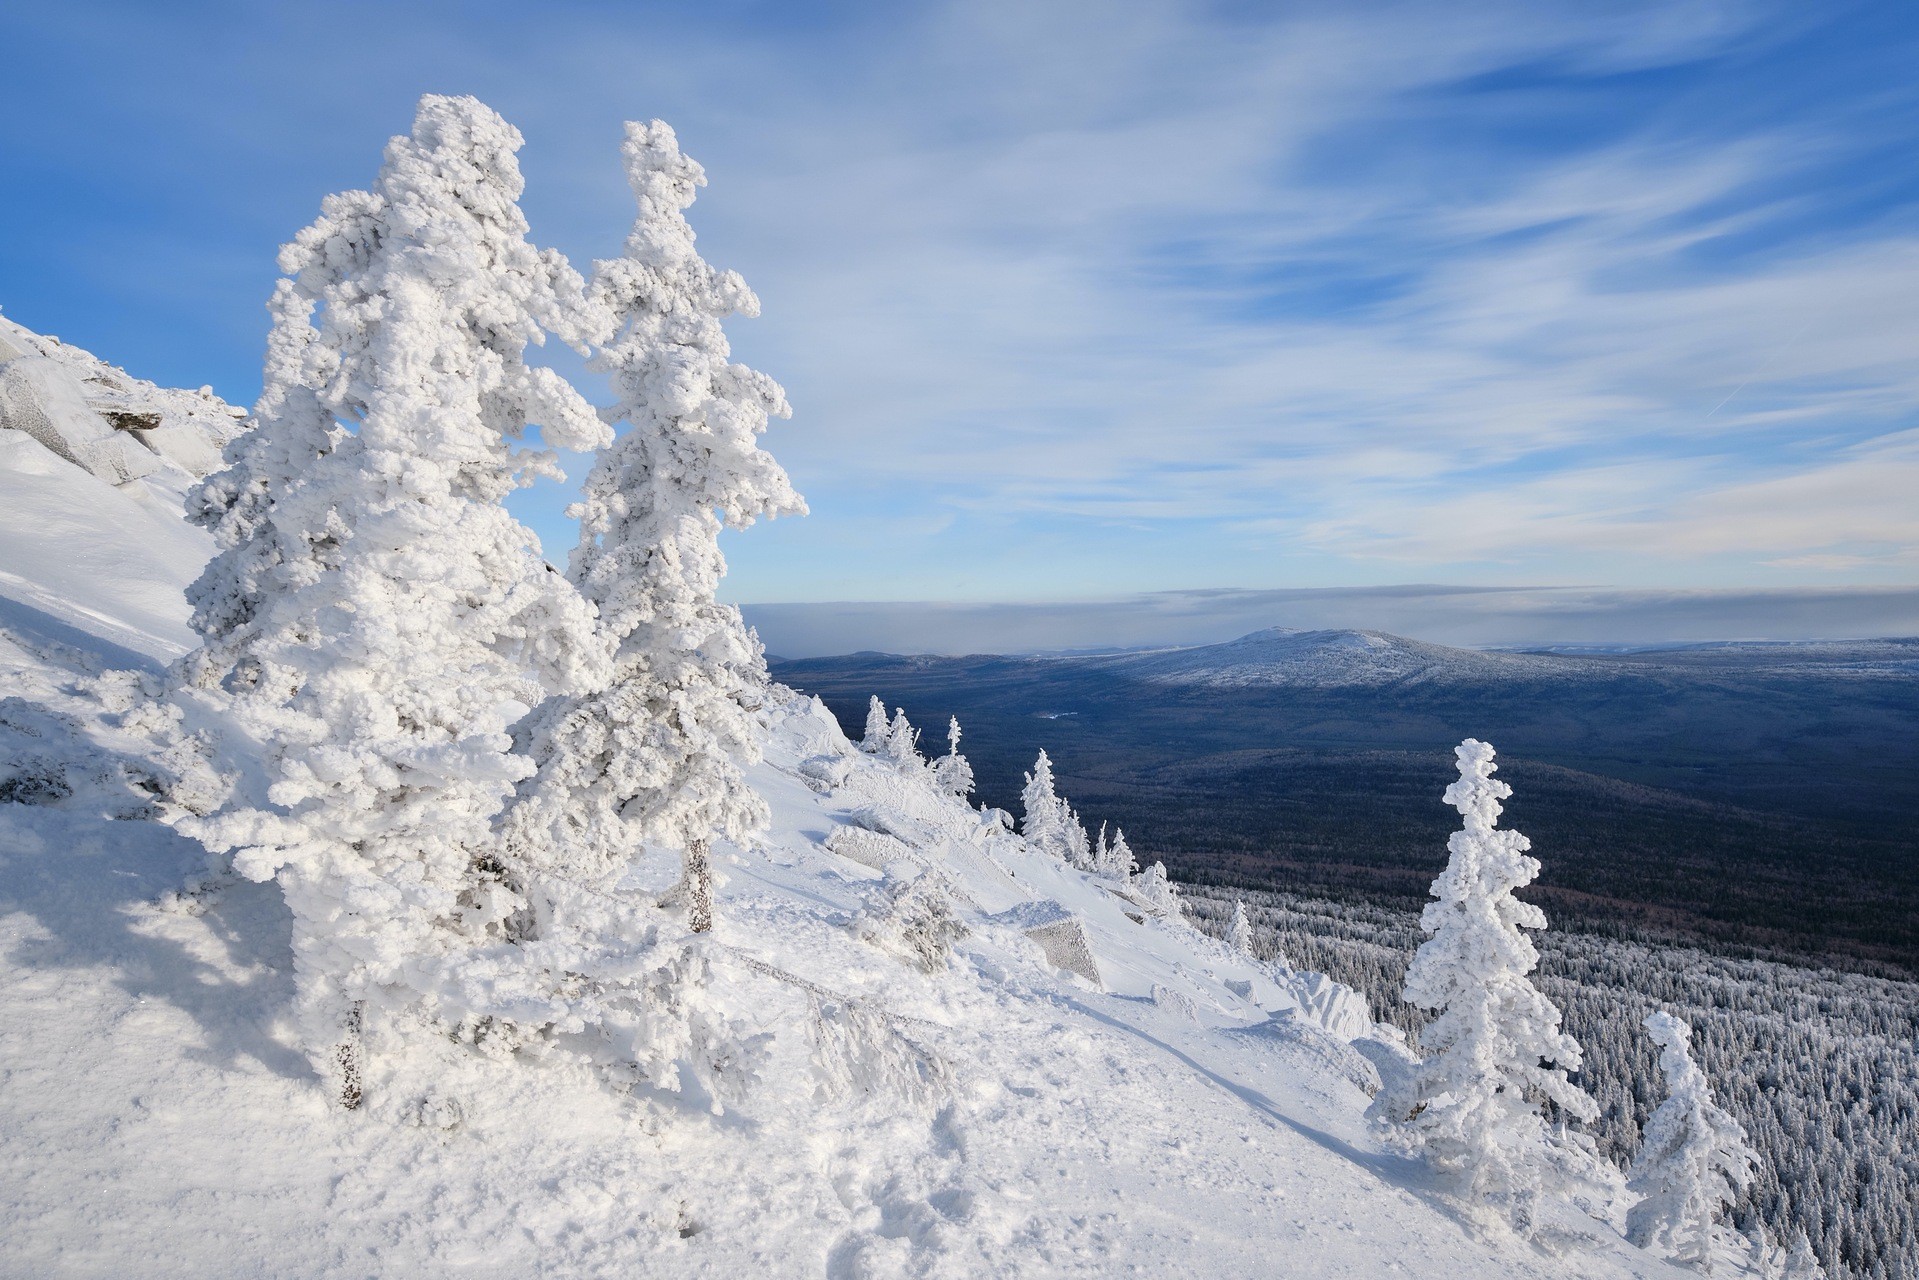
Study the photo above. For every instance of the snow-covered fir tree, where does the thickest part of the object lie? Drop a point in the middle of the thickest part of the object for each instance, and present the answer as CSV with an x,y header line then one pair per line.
x,y
1495,1054
1159,892
408,619
1049,823
952,771
652,755
1239,933
1118,863
878,735
1693,1160
1040,807
903,741
1076,847
1800,1262
896,740
291,428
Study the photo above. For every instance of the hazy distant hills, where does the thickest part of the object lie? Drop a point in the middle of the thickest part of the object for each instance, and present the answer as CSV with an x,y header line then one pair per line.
x,y
1354,659
1761,793
1324,660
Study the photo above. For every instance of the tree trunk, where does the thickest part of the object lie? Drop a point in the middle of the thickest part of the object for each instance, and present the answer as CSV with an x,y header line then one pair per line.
x,y
699,887
347,1054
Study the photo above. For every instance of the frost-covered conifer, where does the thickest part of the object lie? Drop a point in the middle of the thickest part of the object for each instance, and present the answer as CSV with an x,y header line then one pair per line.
x,y
406,619
1693,1159
914,918
1076,847
1119,863
860,1052
879,730
952,771
653,755
290,429
1495,1052
1159,891
1040,820
1801,1263
903,741
1239,934
1049,823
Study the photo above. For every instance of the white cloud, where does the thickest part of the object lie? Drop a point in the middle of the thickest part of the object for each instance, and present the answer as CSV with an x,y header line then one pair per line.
x,y
1075,294
1058,312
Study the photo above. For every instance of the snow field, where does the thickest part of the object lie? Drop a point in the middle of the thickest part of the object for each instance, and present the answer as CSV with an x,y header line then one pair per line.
x,y
161,1119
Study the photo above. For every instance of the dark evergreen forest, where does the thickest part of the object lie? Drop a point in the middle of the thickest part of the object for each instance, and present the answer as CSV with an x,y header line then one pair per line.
x,y
1820,1066
1759,798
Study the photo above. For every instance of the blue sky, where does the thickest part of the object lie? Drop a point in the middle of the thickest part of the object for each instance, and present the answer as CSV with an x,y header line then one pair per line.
x,y
1077,301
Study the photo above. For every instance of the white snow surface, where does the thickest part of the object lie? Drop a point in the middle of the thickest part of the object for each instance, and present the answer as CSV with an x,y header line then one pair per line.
x,y
159,1121
1192,1118
78,552
1198,1113
76,549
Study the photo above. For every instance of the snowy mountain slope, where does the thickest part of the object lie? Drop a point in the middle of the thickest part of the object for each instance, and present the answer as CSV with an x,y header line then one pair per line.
x,y
94,464
1185,1114
159,1123
1893,658
104,419
107,560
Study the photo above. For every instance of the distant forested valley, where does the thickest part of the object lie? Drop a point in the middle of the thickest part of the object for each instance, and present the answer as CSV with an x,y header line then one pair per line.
x,y
1761,798
1730,833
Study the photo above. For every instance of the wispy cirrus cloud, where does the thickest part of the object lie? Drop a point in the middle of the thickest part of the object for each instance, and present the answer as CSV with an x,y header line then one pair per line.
x,y
1077,299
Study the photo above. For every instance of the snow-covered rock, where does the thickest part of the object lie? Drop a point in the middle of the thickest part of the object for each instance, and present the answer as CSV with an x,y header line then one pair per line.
x,y
1334,1008
1059,935
43,399
869,848
103,419
1318,1051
